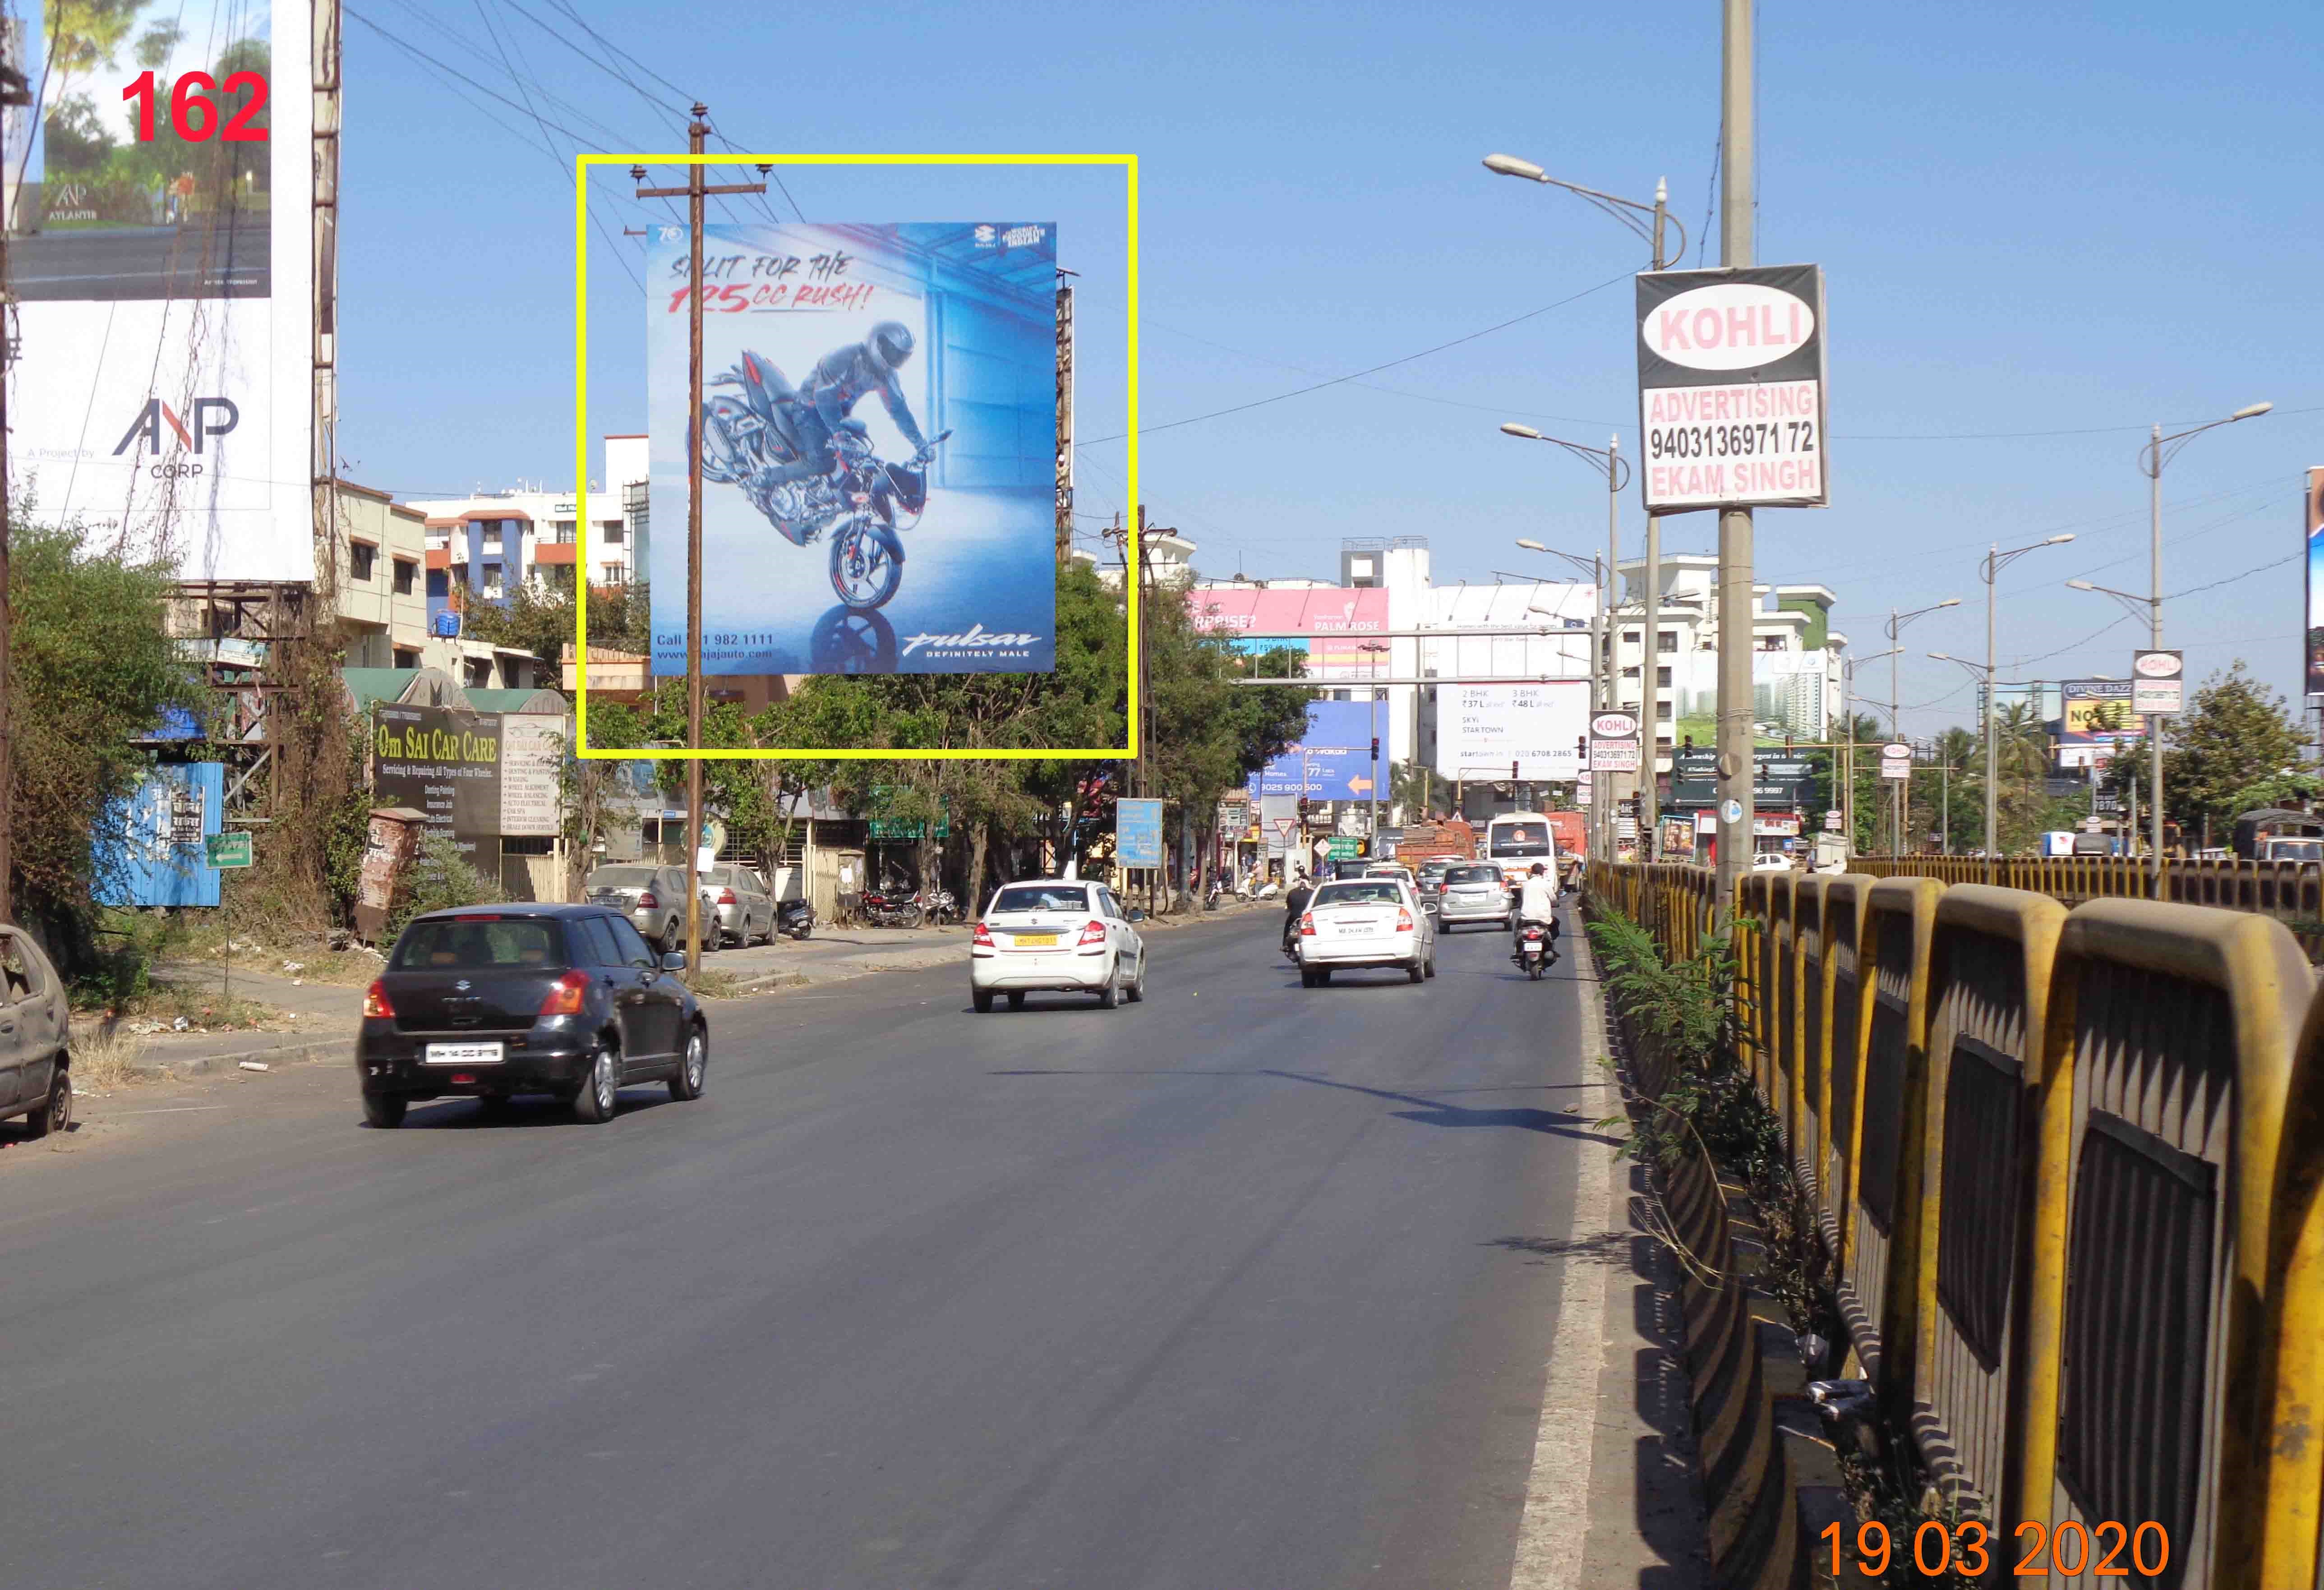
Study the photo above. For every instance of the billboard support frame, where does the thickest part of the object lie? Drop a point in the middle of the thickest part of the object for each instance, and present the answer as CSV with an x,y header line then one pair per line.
x,y
581,168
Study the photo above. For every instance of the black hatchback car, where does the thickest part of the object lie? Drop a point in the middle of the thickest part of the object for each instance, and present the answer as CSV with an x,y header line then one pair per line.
x,y
489,1001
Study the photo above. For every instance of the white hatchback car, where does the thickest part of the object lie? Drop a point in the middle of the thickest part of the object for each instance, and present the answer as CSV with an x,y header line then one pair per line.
x,y
1356,922
1057,935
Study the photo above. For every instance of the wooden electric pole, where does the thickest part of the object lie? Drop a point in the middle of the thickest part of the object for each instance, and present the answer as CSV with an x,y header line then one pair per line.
x,y
696,193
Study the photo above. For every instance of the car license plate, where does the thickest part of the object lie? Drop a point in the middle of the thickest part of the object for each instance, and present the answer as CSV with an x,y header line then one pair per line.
x,y
1351,930
464,1054
1036,941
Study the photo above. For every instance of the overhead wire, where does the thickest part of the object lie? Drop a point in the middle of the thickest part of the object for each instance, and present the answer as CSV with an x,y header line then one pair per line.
x,y
1370,370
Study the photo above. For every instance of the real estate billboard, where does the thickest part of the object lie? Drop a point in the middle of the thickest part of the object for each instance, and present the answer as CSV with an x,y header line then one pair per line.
x,y
1482,729
878,447
1342,619
161,255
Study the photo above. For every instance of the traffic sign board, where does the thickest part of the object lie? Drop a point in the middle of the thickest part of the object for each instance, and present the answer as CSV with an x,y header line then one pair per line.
x,y
227,850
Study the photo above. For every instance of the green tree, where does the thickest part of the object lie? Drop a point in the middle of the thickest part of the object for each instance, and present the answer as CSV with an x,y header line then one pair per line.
x,y
90,672
2236,740
541,620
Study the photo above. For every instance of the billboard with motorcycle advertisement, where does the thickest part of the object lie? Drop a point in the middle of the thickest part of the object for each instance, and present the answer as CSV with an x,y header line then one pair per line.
x,y
161,262
878,439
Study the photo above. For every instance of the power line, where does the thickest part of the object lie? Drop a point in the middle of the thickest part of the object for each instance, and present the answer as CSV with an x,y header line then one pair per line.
x,y
1353,375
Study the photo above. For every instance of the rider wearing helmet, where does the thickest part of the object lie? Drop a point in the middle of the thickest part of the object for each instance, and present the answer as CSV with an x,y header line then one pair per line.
x,y
839,381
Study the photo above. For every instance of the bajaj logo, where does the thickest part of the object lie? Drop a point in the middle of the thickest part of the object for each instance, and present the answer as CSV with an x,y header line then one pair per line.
x,y
212,417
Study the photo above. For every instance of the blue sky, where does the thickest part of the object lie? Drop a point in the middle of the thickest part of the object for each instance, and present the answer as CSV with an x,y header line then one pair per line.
x,y
2070,221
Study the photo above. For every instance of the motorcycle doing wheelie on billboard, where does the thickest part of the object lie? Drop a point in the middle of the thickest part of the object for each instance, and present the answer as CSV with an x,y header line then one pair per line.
x,y
858,502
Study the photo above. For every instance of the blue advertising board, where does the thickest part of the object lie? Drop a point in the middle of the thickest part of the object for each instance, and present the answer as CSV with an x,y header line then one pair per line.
x,y
1138,833
148,848
1334,762
878,447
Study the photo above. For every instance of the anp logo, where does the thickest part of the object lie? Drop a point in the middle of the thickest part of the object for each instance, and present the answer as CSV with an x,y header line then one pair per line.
x,y
212,417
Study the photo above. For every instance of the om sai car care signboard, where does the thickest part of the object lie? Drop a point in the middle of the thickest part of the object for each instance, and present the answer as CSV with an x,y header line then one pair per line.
x,y
1731,388
878,447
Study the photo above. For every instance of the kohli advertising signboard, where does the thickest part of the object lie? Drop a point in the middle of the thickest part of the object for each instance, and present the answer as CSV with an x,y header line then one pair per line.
x,y
162,261
878,447
1731,388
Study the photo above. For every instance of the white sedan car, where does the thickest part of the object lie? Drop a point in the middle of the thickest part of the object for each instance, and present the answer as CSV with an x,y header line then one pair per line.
x,y
1057,935
1365,922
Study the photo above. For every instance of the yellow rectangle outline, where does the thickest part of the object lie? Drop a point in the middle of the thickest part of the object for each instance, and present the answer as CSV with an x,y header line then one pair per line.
x,y
1133,553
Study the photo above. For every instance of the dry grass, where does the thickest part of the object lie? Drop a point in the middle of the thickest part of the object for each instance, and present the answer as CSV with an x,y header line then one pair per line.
x,y
103,1061
201,1007
712,984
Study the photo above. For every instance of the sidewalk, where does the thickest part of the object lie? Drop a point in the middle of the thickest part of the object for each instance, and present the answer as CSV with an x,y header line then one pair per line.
x,y
324,1015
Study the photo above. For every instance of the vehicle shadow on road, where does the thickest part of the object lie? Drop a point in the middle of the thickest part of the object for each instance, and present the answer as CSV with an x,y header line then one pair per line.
x,y
466,1115
1432,1111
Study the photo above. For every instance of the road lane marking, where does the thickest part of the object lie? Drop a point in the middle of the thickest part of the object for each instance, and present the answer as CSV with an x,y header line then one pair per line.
x,y
1555,1524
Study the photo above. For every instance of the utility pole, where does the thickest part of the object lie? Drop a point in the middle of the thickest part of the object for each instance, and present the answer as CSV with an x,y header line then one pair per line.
x,y
13,90
696,192
1613,633
1650,658
1738,245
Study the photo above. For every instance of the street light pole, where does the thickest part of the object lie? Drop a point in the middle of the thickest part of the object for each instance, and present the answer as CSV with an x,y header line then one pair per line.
x,y
1738,245
1995,561
1602,632
2159,451
1652,224
1900,801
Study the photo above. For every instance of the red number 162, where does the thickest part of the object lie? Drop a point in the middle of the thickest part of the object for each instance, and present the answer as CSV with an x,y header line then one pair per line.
x,y
195,113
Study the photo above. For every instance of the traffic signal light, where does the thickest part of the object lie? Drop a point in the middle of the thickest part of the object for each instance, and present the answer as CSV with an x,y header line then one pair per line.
x,y
1375,747
1513,773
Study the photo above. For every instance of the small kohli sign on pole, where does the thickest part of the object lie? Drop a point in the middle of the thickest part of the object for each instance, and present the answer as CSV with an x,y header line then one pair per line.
x,y
1896,759
1731,388
2158,683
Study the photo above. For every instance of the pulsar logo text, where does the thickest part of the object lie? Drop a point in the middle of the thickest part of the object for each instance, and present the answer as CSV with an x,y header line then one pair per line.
x,y
212,417
975,641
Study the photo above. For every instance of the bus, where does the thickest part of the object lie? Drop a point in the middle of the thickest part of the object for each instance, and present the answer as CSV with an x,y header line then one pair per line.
x,y
1515,840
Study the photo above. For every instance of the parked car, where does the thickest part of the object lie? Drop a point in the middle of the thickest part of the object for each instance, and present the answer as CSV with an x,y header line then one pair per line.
x,y
744,905
35,1033
1062,934
1771,861
1473,891
1357,922
491,1001
654,897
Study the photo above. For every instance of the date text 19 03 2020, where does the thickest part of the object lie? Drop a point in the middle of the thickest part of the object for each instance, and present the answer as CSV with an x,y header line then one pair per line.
x,y
2108,1549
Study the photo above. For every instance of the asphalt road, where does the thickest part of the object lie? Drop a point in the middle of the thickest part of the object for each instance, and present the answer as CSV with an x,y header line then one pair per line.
x,y
1240,1289
143,261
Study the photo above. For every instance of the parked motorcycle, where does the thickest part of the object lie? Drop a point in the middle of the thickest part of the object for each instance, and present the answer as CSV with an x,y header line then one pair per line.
x,y
749,435
795,917
893,910
943,907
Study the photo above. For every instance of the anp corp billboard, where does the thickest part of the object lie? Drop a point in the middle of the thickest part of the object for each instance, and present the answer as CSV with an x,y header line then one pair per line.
x,y
878,447
161,258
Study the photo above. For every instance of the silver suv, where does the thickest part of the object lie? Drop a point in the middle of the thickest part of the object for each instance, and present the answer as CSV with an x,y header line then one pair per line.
x,y
1473,891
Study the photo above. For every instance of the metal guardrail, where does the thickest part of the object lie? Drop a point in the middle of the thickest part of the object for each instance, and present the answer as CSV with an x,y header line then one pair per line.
x,y
2071,1165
